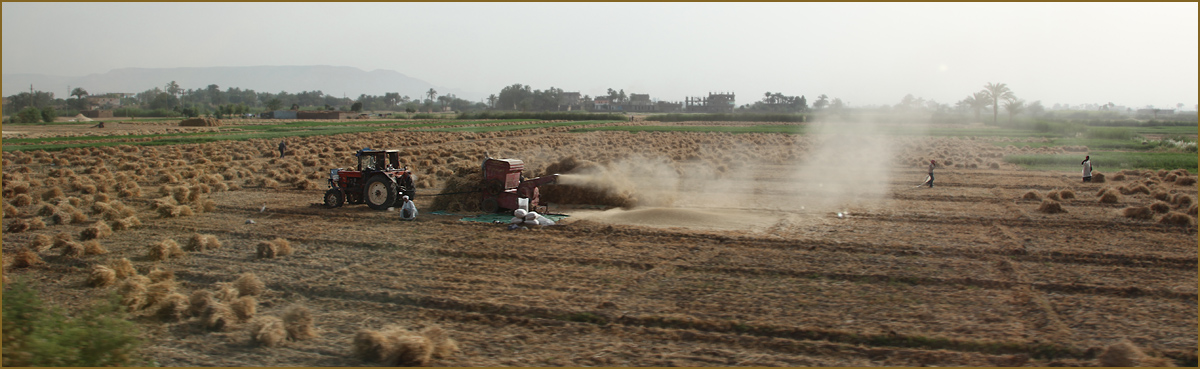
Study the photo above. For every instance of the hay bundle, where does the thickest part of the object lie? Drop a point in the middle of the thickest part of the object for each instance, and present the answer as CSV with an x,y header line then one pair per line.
x,y
158,291
1110,197
101,276
133,292
226,292
1053,195
72,249
399,347
244,308
373,346
201,242
164,250
26,258
97,230
1051,207
1097,177
124,268
160,275
460,192
1182,200
273,248
1160,207
1118,177
1161,195
218,317
18,226
1032,195
1186,181
172,307
126,223
41,242
1192,210
411,350
1121,354
1176,219
268,331
443,345
199,301
248,284
1134,189
93,247
22,200
1137,212
299,323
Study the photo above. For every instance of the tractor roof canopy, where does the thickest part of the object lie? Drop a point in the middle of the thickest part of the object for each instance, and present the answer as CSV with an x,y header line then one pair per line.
x,y
369,159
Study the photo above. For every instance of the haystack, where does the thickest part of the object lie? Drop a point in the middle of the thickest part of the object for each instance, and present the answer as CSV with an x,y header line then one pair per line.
x,y
1110,197
299,323
1137,212
248,284
1051,207
172,307
218,317
101,276
123,268
1032,195
244,307
93,247
268,331
1160,207
1176,219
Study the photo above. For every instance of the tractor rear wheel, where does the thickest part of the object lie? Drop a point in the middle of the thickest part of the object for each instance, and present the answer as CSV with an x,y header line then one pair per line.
x,y
489,205
380,192
334,198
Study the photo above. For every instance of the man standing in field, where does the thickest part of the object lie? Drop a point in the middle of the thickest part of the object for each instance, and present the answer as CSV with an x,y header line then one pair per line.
x,y
282,146
1087,168
932,163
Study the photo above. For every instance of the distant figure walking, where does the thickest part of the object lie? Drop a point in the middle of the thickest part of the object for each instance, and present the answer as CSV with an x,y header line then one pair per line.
x,y
1087,168
282,147
932,163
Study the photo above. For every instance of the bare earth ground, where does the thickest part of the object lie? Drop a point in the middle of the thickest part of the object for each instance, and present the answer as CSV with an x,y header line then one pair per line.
x,y
963,274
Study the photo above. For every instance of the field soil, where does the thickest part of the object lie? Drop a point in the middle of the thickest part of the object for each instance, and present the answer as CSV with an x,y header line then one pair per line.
x,y
732,250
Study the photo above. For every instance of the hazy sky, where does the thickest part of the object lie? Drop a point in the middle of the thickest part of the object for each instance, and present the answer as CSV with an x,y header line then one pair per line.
x,y
1131,54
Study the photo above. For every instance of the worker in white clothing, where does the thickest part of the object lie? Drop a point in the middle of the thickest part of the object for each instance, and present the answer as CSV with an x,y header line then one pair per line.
x,y
408,211
1087,168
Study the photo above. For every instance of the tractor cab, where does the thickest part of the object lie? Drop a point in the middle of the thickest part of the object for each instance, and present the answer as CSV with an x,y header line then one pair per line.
x,y
376,160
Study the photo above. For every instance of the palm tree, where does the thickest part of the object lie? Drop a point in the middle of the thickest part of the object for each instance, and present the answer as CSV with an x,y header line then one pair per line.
x,y
492,101
995,92
431,93
977,102
1013,107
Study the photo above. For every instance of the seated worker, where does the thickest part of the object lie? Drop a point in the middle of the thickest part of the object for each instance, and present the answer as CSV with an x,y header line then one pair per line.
x,y
408,211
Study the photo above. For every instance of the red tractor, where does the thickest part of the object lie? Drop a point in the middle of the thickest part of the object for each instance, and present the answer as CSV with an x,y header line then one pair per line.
x,y
379,181
504,187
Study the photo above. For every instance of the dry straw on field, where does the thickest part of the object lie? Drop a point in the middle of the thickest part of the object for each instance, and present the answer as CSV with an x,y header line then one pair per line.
x,y
396,346
1177,219
268,331
72,249
1097,177
123,268
1126,354
126,223
41,242
164,250
1160,207
101,276
299,323
1182,200
97,230
1051,207
274,248
244,307
1137,212
133,292
201,242
1110,197
199,301
1031,195
225,291
1053,195
159,275
1186,181
172,307
218,317
248,284
93,247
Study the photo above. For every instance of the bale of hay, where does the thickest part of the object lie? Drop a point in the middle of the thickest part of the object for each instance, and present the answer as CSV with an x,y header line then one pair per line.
x,y
126,223
158,291
172,307
1160,207
18,226
265,250
1118,177
124,268
201,242
244,308
1185,181
443,345
299,323
1051,207
1137,212
1161,195
248,284
133,293
200,122
1182,200
164,250
282,246
160,275
373,346
1110,197
93,247
1032,195
26,258
72,249
97,230
460,192
1053,195
1139,189
226,292
218,317
268,331
199,301
41,242
411,349
101,276
1097,177
1120,354
1176,219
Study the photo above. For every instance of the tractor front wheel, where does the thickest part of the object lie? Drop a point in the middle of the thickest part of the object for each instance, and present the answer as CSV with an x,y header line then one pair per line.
x,y
334,198
489,205
380,192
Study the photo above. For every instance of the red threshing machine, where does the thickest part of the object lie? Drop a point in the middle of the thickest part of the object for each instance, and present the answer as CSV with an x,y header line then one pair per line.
x,y
504,187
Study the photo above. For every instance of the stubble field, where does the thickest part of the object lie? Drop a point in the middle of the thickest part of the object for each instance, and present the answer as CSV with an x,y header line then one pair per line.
x,y
732,250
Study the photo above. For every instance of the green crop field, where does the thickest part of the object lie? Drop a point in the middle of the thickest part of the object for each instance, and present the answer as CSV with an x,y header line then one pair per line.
x,y
1107,161
518,126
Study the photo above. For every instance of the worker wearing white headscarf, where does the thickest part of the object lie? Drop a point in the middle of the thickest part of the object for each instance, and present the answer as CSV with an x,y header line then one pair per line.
x,y
533,218
518,217
408,211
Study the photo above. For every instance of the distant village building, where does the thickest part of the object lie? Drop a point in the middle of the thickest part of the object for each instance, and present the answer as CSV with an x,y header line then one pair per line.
x,y
105,101
714,103
602,103
570,101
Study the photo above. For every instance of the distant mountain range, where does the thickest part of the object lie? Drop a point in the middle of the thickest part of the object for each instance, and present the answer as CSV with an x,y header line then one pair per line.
x,y
331,80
